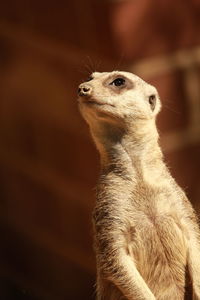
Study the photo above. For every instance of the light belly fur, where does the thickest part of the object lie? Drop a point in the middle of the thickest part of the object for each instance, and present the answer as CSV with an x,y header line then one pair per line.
x,y
159,250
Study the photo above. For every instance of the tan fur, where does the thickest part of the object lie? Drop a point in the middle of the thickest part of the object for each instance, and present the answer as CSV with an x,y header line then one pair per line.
x,y
146,233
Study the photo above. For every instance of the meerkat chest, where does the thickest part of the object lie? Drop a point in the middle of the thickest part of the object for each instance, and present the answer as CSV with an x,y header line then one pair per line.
x,y
152,206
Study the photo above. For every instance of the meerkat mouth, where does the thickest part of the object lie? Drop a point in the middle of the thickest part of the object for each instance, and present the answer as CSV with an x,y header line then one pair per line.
x,y
92,101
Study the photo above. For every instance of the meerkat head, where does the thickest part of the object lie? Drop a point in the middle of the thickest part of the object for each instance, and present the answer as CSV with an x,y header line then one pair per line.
x,y
117,97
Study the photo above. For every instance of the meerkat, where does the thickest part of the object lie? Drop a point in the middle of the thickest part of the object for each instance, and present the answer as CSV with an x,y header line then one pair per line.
x,y
146,234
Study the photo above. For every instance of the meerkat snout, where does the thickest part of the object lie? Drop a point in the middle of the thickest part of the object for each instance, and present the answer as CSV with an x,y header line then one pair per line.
x,y
84,90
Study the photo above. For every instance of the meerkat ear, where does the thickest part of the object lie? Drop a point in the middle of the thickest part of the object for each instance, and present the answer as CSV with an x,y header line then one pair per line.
x,y
152,102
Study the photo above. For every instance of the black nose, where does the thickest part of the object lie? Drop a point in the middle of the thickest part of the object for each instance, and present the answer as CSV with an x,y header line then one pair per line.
x,y
84,90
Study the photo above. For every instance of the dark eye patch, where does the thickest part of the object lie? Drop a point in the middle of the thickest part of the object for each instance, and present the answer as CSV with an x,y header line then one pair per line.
x,y
118,82
152,102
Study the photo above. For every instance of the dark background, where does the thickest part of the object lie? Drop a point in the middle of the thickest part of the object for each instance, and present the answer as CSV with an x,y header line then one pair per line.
x,y
48,163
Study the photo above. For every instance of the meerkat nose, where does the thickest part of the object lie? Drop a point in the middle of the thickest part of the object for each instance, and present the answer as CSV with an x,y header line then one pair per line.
x,y
84,90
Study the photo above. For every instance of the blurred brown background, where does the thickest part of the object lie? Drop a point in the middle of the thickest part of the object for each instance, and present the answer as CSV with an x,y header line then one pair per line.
x,y
48,164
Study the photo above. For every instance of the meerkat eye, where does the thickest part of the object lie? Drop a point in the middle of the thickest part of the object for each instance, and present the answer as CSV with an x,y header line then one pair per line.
x,y
89,79
152,102
118,82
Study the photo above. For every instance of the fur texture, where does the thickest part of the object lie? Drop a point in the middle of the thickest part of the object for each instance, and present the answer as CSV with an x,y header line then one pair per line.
x,y
146,232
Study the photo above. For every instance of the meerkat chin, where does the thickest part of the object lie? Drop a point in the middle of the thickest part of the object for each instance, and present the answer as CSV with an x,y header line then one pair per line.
x,y
146,233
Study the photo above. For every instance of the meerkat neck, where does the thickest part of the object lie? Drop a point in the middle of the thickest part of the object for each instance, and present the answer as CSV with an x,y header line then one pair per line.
x,y
141,142
131,149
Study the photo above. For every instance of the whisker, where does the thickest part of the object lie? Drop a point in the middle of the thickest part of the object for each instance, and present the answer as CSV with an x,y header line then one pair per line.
x,y
119,62
91,64
171,109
